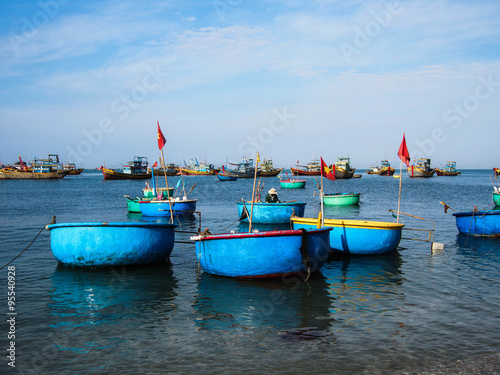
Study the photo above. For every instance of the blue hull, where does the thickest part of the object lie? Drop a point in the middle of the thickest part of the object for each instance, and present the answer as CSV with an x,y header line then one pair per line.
x,y
271,213
479,223
162,208
222,177
357,237
111,244
262,254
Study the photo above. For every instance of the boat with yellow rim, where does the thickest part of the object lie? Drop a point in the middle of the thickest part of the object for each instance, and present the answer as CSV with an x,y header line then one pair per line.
x,y
356,237
134,170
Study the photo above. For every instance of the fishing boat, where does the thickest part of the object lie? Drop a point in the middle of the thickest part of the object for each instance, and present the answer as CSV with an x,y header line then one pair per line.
x,y
421,168
356,237
198,169
161,207
134,170
450,169
496,198
311,169
272,254
341,199
103,244
267,169
384,169
49,168
73,170
245,169
224,176
293,183
343,169
270,213
478,223
170,170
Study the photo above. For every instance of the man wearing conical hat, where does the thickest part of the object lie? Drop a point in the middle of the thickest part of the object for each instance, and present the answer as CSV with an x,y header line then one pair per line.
x,y
272,196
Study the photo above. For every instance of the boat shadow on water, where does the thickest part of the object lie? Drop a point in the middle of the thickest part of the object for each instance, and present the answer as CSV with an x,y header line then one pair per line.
x,y
297,309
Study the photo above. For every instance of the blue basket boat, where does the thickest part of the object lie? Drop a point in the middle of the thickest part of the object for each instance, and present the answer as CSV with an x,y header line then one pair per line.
x,y
271,254
180,207
111,244
356,237
270,213
478,223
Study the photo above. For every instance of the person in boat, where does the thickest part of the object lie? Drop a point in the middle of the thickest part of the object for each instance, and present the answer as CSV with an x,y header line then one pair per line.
x,y
272,196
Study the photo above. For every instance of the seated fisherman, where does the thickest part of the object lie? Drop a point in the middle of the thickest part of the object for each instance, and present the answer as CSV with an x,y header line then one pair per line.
x,y
272,196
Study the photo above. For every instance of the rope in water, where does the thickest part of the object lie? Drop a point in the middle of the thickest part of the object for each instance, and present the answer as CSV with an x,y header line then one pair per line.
x,y
31,243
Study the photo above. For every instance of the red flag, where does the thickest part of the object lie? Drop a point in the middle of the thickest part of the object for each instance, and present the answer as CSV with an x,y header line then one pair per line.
x,y
161,138
326,171
155,164
403,153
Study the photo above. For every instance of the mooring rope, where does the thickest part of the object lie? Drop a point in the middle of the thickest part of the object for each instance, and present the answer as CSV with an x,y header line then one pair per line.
x,y
18,255
305,254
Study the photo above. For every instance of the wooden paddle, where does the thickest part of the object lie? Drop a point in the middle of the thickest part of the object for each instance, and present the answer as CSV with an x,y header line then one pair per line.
x,y
190,189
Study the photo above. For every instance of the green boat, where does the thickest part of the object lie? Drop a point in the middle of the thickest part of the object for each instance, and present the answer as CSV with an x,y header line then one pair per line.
x,y
341,199
133,203
496,199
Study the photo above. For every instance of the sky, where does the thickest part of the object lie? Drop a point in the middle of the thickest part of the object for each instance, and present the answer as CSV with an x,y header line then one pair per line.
x,y
293,80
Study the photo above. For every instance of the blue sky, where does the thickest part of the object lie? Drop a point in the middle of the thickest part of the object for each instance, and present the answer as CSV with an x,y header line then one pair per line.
x,y
293,80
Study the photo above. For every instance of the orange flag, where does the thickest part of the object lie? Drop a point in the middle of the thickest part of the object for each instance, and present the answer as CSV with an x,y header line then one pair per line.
x,y
161,138
403,153
326,171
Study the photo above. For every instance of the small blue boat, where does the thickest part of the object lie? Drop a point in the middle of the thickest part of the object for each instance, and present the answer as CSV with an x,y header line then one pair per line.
x,y
226,177
270,213
356,237
180,207
478,223
111,244
263,254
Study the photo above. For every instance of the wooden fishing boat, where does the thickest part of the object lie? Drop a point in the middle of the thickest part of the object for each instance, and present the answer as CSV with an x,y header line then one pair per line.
x,y
270,213
421,168
49,168
343,169
245,169
224,176
73,170
450,169
135,170
161,208
272,254
384,169
101,244
496,198
478,223
311,169
198,169
170,170
267,169
341,199
356,237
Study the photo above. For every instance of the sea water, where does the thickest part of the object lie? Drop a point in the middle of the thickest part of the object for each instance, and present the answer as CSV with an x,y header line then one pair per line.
x,y
411,311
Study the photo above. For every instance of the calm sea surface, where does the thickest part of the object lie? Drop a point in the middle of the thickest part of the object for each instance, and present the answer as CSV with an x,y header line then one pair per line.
x,y
410,311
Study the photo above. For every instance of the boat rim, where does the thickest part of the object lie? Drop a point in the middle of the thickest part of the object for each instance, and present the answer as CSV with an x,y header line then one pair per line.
x,y
274,233
476,213
368,224
104,224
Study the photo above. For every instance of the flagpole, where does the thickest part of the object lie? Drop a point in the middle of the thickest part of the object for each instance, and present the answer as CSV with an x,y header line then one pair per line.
x,y
321,197
166,183
400,182
253,194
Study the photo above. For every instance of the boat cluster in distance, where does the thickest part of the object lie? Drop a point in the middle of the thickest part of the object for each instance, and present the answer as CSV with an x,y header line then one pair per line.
x,y
139,168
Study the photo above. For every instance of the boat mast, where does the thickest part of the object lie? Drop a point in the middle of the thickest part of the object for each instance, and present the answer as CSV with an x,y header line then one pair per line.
x,y
253,194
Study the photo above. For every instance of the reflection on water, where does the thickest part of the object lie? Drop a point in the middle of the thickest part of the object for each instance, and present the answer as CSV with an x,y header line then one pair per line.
x,y
86,297
292,306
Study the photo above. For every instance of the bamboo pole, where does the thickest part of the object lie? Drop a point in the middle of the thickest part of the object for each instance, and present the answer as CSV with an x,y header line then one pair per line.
x,y
400,182
253,194
166,183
